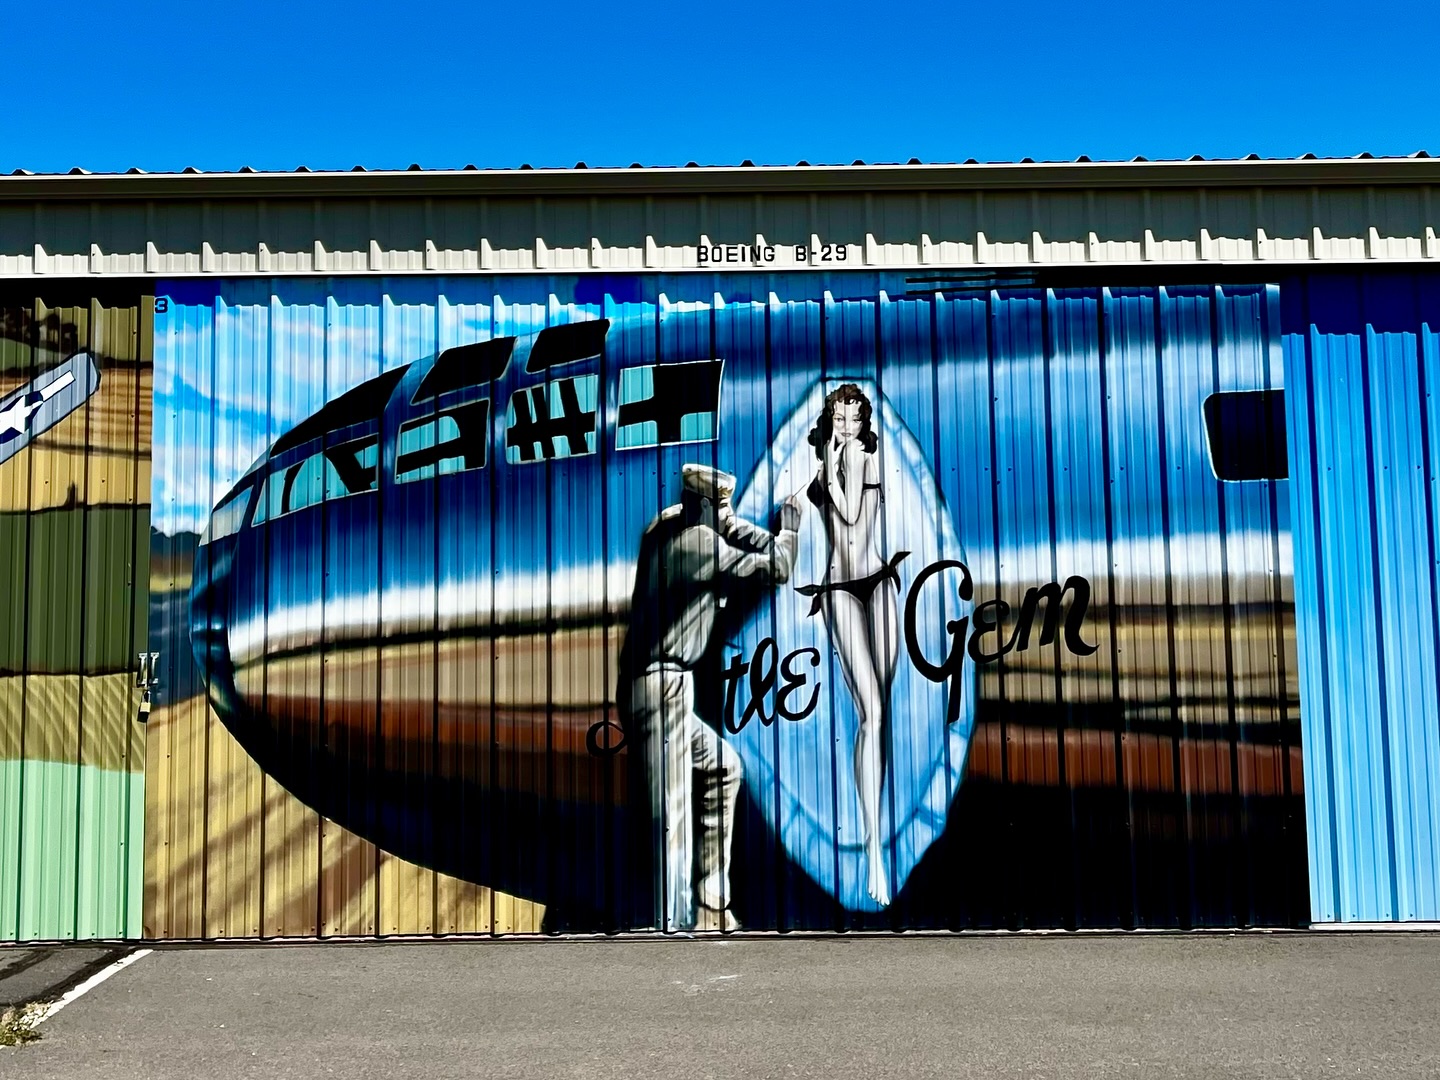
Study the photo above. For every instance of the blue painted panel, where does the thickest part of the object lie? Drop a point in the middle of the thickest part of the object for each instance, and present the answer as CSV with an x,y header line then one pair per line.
x,y
1361,362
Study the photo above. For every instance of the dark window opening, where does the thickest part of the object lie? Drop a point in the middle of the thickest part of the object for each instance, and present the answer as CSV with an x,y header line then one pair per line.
x,y
229,516
347,469
453,441
1246,434
545,426
666,404
357,463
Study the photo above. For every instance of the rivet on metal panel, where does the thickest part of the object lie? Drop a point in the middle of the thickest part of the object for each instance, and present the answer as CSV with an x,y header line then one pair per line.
x,y
432,253
651,253
1373,248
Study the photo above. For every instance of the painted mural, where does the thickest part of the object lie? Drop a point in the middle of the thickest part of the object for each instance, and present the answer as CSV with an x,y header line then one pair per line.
x,y
701,603
74,494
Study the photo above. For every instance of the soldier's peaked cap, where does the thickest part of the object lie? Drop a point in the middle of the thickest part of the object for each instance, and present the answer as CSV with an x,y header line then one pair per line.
x,y
707,481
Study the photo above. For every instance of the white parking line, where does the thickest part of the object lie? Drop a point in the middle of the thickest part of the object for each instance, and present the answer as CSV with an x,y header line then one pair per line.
x,y
51,1008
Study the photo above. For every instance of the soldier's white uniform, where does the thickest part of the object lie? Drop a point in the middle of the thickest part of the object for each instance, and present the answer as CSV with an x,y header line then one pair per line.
x,y
691,556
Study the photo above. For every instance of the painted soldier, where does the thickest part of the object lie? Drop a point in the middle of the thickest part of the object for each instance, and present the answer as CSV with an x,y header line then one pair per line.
x,y
692,557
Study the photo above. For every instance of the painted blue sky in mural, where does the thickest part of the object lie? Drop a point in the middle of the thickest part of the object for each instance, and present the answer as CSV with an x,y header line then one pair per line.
x,y
275,85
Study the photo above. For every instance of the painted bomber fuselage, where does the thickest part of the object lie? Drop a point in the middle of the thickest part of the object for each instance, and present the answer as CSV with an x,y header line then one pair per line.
x,y
409,608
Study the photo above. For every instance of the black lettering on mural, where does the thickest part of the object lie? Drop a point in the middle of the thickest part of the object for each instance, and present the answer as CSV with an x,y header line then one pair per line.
x,y
771,684
534,426
795,681
1053,595
989,618
605,738
950,668
761,671
678,391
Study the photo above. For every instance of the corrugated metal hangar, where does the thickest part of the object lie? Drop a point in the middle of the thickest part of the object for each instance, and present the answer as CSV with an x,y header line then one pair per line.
x,y
871,547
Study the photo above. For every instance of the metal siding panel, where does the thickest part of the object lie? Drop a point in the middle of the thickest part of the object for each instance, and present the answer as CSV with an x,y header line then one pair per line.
x,y
1145,618
1310,606
1425,731
1365,524
1399,519
70,779
905,377
1346,509
1021,498
1093,754
741,329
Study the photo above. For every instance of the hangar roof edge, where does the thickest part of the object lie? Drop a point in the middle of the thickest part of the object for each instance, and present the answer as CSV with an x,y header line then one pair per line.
x,y
745,178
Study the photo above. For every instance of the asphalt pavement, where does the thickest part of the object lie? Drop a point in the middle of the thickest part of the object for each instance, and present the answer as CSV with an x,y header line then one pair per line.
x,y
1284,1005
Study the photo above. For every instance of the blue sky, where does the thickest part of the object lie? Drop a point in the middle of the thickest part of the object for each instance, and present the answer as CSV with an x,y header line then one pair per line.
x,y
164,85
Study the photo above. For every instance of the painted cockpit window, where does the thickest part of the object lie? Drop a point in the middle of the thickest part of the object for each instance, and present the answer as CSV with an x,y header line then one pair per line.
x,y
1246,434
451,442
466,366
669,404
568,344
358,405
552,420
329,474
228,517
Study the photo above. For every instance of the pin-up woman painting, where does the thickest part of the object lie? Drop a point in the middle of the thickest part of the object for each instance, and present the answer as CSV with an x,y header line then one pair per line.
x,y
857,597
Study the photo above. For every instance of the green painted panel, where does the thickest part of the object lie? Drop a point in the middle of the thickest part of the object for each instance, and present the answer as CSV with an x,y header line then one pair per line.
x,y
13,548
82,614
71,854
10,783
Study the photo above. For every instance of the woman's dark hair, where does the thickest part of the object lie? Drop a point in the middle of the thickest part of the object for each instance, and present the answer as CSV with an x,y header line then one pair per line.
x,y
825,426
